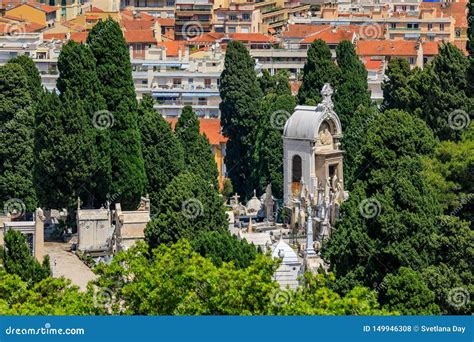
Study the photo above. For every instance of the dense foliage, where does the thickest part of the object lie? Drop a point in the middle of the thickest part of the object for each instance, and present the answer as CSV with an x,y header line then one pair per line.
x,y
16,138
240,113
114,70
163,154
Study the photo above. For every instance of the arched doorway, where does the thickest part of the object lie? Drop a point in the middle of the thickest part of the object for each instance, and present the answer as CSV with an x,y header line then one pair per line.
x,y
296,174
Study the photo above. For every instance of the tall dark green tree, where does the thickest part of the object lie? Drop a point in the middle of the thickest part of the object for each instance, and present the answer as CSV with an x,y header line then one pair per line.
x,y
352,89
34,78
78,74
388,220
18,260
188,207
198,158
162,151
318,69
395,92
268,149
115,74
240,94
16,137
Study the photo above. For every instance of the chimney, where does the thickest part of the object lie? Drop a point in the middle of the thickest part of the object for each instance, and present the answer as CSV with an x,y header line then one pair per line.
x,y
157,31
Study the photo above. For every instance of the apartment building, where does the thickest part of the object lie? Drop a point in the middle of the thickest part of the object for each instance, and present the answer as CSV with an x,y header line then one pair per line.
x,y
192,18
428,21
157,8
35,12
237,18
69,9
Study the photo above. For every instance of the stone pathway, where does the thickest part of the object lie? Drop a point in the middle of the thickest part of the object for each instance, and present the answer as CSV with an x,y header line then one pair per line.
x,y
67,264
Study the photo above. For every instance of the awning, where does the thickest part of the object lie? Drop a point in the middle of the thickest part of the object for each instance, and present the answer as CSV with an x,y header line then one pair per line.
x,y
159,94
210,94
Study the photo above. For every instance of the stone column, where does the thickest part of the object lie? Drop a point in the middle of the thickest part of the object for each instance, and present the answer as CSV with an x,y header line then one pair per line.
x,y
39,234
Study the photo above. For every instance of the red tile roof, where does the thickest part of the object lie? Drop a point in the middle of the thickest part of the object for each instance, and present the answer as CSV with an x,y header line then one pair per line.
x,y
136,24
20,27
165,21
78,37
295,86
173,47
331,36
300,31
210,127
139,36
373,64
43,7
386,48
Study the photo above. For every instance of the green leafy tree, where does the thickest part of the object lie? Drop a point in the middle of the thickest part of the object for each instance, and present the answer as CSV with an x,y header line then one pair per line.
x,y
228,189
198,158
16,137
240,113
114,70
188,206
407,292
266,81
18,260
222,247
50,296
32,73
162,152
352,89
174,280
318,69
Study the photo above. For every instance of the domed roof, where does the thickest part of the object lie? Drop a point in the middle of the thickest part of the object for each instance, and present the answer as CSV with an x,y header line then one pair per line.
x,y
254,204
305,122
283,251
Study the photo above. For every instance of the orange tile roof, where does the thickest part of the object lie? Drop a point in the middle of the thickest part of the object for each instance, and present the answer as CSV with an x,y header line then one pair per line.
x,y
42,7
301,31
139,36
430,48
165,21
173,47
78,37
386,48
331,36
136,24
295,86
96,10
210,127
20,27
373,64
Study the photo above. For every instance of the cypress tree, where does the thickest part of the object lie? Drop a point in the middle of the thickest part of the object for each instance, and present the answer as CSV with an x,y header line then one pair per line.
x,y
18,260
77,74
162,152
240,94
115,74
32,73
352,89
395,93
188,207
16,137
198,158
318,69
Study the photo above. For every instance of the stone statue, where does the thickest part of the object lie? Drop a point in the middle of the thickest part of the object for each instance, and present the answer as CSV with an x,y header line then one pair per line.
x,y
269,203
325,137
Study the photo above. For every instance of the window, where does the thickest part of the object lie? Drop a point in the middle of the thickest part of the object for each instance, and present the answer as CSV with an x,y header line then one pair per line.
x,y
457,32
411,60
413,26
430,26
231,30
246,16
176,81
207,83
441,27
232,17
393,25
170,3
190,80
202,101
